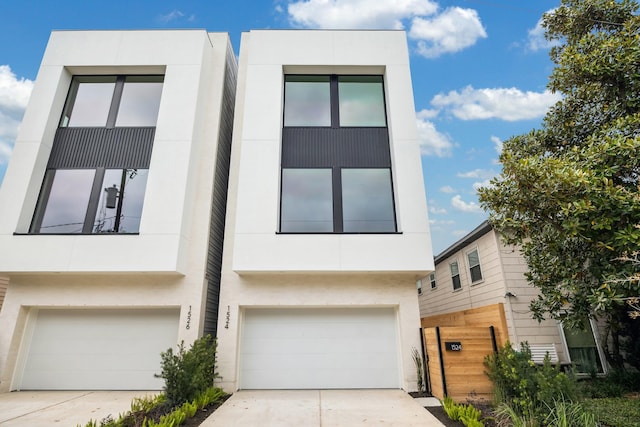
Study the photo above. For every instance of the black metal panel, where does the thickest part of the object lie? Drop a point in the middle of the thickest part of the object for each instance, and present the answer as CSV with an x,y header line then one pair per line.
x,y
335,147
111,148
219,205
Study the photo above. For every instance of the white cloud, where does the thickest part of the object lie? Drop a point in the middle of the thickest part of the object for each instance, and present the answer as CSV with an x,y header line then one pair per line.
x,y
461,205
435,32
436,210
510,104
171,16
432,142
447,189
14,96
485,183
459,233
536,40
451,31
477,174
351,14
497,142
425,114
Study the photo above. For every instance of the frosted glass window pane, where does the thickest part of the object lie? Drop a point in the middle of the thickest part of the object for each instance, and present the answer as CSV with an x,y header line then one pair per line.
x,y
67,203
91,103
307,200
361,101
140,102
454,268
131,200
367,201
307,101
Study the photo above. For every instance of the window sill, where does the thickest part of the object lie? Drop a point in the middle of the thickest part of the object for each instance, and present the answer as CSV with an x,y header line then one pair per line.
x,y
479,282
331,232
457,290
76,234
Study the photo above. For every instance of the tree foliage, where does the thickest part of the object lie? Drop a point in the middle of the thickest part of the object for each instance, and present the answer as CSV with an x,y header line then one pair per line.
x,y
569,191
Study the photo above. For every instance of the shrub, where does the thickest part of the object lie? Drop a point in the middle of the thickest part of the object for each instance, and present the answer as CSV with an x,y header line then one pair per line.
x,y
569,414
524,386
187,373
466,414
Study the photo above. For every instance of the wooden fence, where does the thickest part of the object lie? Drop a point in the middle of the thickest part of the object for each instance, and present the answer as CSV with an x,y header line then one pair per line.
x,y
456,345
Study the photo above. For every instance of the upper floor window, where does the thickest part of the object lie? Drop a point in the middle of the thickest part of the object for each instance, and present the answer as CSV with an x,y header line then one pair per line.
x,y
336,164
124,101
334,101
455,275
432,280
97,171
419,286
474,266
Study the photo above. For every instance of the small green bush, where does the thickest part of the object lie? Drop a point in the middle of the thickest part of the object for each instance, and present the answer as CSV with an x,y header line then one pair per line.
x,y
187,373
569,414
614,384
466,414
524,386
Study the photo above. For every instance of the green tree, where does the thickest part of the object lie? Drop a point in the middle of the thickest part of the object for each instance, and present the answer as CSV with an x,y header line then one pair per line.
x,y
569,191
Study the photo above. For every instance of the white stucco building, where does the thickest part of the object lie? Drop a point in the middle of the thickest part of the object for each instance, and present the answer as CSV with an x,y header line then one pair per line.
x,y
99,286
323,297
132,165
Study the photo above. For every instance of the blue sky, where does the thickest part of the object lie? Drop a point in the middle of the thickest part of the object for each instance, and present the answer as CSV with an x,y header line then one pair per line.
x,y
479,71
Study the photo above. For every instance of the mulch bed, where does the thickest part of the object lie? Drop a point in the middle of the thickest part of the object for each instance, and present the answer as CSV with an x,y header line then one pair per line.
x,y
204,413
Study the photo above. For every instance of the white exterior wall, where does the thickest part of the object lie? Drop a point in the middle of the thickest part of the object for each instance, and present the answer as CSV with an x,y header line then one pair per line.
x,y
191,62
257,247
54,271
264,269
503,269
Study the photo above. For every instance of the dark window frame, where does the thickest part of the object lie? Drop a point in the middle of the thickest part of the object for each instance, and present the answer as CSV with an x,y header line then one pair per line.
x,y
475,269
112,147
337,148
455,278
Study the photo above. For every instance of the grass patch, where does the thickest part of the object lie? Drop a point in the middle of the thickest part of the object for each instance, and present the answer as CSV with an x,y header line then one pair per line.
x,y
615,412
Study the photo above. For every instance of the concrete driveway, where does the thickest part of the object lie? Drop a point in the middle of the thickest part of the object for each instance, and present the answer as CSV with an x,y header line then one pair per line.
x,y
322,408
63,408
309,408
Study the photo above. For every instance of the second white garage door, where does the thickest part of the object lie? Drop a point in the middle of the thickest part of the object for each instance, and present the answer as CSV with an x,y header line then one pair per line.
x,y
319,348
98,349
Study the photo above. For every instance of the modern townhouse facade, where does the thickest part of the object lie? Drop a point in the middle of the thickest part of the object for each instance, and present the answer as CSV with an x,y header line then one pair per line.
x,y
125,180
482,280
327,227
106,231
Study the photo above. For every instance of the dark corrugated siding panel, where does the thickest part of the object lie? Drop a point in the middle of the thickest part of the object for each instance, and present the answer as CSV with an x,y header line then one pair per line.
x,y
114,148
335,147
219,205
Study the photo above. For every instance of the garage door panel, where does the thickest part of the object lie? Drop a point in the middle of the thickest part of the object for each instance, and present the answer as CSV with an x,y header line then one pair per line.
x,y
319,348
96,349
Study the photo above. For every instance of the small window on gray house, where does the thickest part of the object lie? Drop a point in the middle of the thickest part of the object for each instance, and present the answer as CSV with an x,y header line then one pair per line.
x,y
474,266
432,280
455,275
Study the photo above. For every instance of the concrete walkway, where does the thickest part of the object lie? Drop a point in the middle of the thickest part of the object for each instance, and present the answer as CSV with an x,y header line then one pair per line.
x,y
322,408
63,408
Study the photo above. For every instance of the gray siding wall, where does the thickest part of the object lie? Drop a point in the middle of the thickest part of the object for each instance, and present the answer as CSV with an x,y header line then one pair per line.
x,y
503,270
4,284
219,205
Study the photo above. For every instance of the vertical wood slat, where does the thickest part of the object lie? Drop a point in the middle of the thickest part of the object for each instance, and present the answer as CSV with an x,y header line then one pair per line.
x,y
463,370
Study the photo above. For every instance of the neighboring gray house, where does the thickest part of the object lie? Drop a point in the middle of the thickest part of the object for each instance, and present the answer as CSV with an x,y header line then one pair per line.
x,y
479,271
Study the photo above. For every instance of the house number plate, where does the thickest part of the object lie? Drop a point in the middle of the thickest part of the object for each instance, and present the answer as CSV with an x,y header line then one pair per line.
x,y
453,346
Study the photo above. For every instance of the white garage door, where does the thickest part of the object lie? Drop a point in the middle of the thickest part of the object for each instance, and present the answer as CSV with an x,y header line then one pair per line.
x,y
98,349
319,348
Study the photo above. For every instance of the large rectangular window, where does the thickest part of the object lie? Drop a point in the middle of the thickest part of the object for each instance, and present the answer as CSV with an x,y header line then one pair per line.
x,y
583,349
97,171
335,126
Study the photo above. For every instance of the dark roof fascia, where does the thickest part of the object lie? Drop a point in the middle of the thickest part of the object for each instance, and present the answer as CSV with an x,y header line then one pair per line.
x,y
478,232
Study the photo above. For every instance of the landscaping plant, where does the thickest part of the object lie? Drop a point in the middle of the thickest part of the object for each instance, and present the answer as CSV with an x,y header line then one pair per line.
x,y
187,373
417,360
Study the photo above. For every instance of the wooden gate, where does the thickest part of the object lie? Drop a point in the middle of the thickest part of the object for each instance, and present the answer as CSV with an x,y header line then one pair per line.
x,y
456,361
